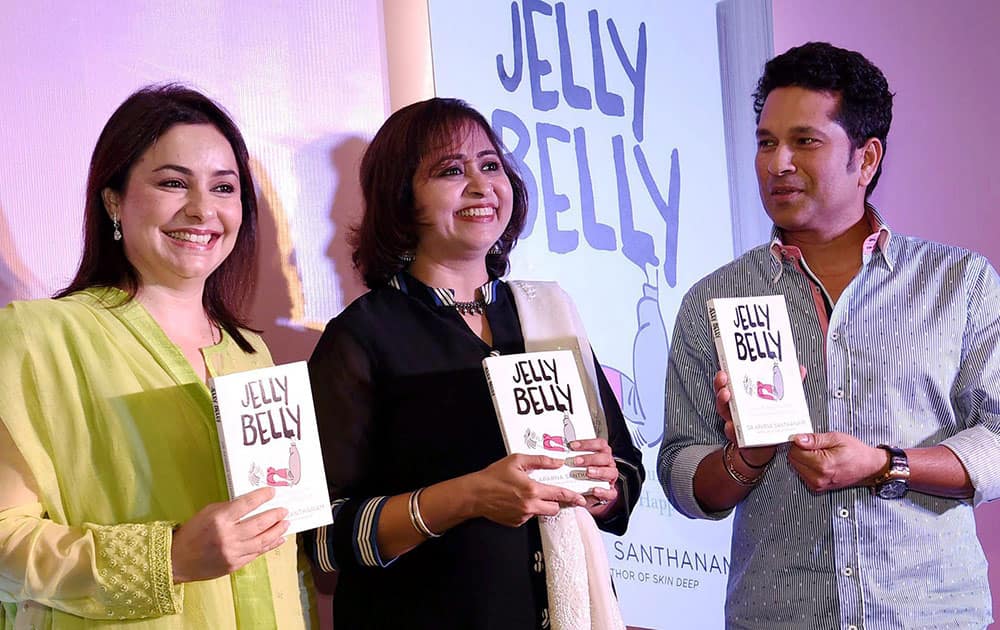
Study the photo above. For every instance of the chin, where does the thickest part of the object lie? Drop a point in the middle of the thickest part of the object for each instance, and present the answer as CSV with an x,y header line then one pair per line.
x,y
786,217
195,272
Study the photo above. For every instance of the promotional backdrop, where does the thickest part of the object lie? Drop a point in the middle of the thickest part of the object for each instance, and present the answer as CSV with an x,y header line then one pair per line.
x,y
612,110
613,113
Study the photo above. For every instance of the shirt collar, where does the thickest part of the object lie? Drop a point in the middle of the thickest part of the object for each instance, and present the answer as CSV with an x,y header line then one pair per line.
x,y
877,242
440,296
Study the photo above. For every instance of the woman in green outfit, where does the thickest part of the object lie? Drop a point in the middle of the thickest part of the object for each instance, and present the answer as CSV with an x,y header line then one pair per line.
x,y
113,503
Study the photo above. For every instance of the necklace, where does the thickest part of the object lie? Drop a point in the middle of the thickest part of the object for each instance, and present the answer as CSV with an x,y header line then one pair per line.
x,y
475,307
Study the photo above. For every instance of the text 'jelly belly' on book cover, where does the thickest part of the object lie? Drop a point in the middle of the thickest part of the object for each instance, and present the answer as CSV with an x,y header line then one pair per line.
x,y
267,431
542,407
753,338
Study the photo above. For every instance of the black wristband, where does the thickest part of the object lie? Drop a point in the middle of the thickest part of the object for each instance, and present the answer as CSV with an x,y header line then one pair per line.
x,y
764,465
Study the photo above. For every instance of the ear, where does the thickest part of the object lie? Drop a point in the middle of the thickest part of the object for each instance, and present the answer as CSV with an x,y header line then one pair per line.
x,y
112,202
871,157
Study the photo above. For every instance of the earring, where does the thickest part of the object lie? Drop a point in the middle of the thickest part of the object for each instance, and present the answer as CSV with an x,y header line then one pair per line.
x,y
406,257
117,225
495,249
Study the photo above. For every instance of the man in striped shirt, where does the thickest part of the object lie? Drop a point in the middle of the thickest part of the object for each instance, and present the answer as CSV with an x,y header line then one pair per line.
x,y
868,522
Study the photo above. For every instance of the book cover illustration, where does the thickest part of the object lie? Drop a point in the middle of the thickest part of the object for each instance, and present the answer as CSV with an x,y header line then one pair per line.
x,y
542,407
753,339
268,434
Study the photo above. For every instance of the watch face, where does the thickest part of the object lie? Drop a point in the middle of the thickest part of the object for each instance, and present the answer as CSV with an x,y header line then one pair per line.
x,y
892,489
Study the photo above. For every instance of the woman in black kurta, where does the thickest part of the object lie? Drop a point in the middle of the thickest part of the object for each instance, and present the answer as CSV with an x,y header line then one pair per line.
x,y
403,403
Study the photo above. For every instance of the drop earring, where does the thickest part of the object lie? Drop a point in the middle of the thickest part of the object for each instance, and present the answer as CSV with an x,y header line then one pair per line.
x,y
117,225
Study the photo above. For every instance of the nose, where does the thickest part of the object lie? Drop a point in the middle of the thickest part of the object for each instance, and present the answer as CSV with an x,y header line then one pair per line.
x,y
200,205
479,184
781,162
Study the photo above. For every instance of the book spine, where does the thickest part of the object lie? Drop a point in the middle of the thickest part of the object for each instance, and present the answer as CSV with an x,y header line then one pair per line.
x,y
720,349
220,430
496,406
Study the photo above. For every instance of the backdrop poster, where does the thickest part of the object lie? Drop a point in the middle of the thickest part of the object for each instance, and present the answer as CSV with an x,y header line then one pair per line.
x,y
613,112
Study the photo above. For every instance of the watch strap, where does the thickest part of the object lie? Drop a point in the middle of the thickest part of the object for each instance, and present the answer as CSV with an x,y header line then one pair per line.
x,y
897,473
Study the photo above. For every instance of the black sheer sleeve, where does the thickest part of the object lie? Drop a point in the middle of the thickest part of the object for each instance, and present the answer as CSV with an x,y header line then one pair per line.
x,y
341,369
627,457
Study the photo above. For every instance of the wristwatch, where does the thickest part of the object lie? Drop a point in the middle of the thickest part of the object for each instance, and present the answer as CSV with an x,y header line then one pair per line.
x,y
895,481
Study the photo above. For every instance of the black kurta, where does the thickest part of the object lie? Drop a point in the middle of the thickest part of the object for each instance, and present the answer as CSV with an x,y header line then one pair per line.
x,y
402,402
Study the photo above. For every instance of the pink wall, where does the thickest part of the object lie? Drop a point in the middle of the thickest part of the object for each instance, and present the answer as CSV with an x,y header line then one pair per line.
x,y
939,180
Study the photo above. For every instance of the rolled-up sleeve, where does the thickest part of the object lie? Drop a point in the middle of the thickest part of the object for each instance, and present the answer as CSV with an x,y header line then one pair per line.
x,y
692,428
976,393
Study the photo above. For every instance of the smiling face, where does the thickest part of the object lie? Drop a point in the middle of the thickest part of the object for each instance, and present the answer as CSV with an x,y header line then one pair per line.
x,y
463,199
811,179
180,211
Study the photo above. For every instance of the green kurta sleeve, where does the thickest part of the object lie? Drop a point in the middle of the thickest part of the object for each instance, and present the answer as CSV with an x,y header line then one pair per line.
x,y
93,571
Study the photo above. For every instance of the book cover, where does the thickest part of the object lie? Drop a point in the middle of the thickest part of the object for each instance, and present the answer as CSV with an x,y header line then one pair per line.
x,y
267,431
753,339
542,407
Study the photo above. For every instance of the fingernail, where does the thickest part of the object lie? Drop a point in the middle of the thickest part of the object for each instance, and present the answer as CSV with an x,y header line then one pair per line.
x,y
574,445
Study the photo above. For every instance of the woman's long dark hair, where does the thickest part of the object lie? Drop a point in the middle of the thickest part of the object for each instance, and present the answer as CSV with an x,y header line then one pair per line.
x,y
144,117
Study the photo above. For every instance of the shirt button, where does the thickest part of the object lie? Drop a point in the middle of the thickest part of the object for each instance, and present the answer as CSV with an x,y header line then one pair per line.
x,y
844,513
834,336
838,393
852,627
847,571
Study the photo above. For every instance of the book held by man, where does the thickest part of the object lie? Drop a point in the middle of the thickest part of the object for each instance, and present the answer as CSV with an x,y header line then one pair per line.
x,y
542,407
268,435
753,338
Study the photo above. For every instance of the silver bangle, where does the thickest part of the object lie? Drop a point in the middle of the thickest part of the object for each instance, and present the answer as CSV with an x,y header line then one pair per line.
x,y
416,519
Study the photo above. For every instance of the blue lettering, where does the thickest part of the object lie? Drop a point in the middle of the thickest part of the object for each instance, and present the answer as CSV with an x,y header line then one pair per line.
x,y
576,96
560,241
636,245
598,235
669,209
502,119
636,74
511,81
542,100
608,102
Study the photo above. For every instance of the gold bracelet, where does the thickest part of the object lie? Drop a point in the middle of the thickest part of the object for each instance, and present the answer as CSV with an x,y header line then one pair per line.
x,y
416,519
737,476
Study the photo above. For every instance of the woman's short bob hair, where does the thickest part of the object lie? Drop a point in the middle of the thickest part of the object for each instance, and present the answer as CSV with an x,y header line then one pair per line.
x,y
388,228
138,122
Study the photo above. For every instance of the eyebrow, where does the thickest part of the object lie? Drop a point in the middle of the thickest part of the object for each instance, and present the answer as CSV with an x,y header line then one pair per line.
x,y
801,129
461,156
189,172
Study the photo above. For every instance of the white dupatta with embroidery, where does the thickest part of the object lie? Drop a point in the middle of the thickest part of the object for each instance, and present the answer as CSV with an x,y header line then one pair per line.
x,y
577,576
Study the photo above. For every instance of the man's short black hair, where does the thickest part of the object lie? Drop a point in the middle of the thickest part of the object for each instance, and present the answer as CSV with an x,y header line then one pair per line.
x,y
865,109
